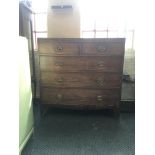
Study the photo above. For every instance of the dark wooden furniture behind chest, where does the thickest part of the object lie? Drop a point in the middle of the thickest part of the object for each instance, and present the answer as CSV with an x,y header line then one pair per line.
x,y
81,73
25,30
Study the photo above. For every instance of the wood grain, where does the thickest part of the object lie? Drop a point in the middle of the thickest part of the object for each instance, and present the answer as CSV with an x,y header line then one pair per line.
x,y
81,72
76,80
85,63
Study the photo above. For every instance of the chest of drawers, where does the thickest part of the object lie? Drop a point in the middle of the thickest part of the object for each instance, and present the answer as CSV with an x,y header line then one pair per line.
x,y
81,73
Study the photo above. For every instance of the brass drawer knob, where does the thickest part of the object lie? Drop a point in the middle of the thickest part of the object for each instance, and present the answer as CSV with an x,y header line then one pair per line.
x,y
100,63
60,79
59,96
100,81
101,49
59,64
99,98
59,49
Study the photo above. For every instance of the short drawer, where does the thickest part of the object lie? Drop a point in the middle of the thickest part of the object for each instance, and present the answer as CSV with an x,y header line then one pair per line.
x,y
110,64
102,48
78,80
79,96
58,48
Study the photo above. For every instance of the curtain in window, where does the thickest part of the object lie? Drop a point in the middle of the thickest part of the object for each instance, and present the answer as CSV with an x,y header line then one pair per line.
x,y
110,19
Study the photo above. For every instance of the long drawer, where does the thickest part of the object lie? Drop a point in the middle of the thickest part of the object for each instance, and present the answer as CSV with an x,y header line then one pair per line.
x,y
111,64
79,96
88,80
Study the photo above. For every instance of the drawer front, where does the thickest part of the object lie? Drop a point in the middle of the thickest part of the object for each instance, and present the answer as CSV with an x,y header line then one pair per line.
x,y
58,48
86,80
111,64
79,96
102,48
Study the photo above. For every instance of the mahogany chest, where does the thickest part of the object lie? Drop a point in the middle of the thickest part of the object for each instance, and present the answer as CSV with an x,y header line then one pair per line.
x,y
81,73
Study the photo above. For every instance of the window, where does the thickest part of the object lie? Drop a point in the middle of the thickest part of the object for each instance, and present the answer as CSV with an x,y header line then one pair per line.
x,y
107,19
39,20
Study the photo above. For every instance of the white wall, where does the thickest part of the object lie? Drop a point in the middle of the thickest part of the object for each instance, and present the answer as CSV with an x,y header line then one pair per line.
x,y
63,25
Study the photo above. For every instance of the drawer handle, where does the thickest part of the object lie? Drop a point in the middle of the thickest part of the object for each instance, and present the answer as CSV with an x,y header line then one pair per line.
x,y
60,80
59,63
100,81
101,49
100,64
75,80
99,98
59,49
59,96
